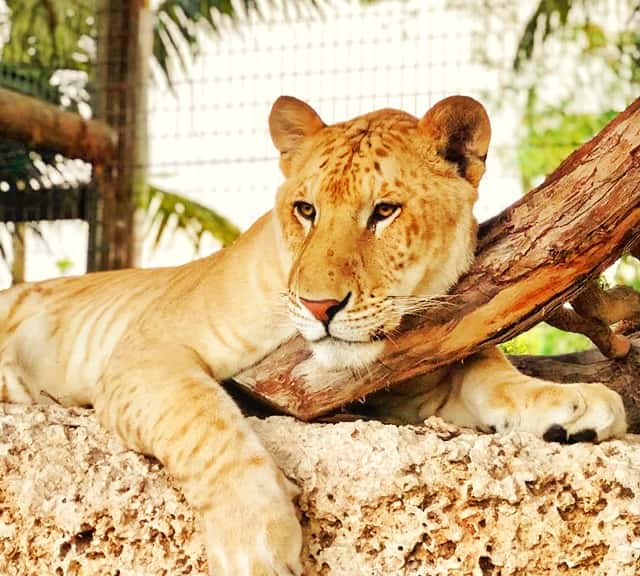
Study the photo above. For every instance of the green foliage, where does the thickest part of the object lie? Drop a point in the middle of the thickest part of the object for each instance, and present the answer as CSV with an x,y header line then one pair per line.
x,y
576,38
51,34
549,16
551,134
176,25
17,162
543,339
576,22
61,34
177,22
575,64
168,212
627,272
29,80
64,265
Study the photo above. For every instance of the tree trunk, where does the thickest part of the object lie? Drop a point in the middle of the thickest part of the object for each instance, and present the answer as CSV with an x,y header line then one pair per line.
x,y
44,126
121,74
531,258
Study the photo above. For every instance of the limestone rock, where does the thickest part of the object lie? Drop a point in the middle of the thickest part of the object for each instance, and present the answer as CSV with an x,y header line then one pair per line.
x,y
377,500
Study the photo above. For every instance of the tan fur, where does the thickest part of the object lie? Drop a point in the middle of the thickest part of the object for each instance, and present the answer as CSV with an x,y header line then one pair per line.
x,y
385,224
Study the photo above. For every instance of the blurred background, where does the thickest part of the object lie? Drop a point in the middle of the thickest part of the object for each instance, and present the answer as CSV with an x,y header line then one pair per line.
x,y
186,85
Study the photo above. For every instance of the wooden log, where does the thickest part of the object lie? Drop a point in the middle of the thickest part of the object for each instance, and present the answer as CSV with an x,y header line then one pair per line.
x,y
44,126
535,255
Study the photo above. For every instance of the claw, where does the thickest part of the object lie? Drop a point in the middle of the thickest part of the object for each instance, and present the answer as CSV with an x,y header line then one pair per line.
x,y
586,435
555,433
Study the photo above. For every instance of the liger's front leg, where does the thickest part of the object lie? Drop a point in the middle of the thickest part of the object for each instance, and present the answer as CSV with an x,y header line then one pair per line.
x,y
174,410
488,393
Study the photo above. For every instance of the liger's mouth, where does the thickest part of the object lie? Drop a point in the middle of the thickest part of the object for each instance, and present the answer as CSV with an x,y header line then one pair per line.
x,y
375,337
329,338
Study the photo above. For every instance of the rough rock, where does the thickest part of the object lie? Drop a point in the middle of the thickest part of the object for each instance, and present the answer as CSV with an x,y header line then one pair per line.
x,y
376,500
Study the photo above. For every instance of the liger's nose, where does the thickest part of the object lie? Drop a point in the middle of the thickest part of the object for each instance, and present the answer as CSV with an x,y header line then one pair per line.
x,y
325,310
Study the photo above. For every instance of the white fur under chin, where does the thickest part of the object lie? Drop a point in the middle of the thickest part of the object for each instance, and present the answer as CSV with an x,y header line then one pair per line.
x,y
336,354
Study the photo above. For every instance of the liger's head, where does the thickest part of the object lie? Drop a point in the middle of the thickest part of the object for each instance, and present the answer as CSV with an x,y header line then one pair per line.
x,y
376,214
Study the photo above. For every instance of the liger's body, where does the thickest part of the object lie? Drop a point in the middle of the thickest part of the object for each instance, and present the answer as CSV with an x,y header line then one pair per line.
x,y
373,219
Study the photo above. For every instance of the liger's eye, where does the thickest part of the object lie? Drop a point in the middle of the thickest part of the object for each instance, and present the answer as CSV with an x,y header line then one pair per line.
x,y
305,210
383,211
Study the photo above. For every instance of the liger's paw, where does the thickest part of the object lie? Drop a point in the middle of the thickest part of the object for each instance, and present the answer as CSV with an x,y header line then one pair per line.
x,y
592,413
566,413
255,533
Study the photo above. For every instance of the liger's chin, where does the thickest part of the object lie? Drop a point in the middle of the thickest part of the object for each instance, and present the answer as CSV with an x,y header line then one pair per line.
x,y
334,354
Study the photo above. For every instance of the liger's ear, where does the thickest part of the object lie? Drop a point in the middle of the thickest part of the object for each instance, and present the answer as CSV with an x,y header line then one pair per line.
x,y
460,129
290,122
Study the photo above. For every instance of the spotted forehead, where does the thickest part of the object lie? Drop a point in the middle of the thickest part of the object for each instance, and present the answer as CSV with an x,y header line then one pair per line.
x,y
359,158
383,128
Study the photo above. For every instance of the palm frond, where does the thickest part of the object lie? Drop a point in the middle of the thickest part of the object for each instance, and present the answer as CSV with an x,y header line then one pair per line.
x,y
48,34
168,212
548,15
177,23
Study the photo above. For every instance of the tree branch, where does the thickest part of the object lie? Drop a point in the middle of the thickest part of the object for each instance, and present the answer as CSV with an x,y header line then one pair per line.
x,y
43,125
535,255
594,309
